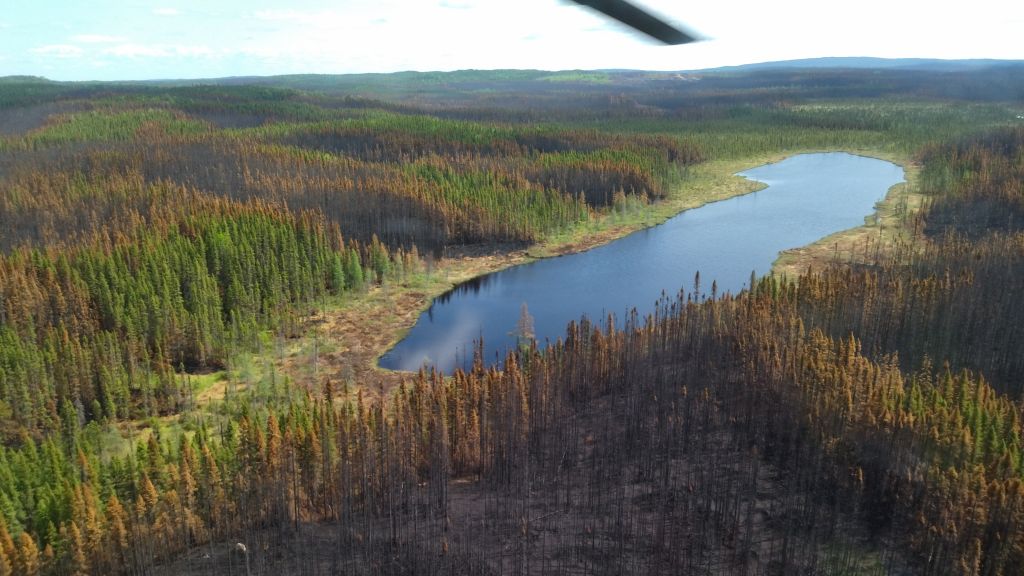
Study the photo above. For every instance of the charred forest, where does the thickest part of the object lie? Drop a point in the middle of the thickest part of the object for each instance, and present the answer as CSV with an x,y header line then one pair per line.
x,y
161,240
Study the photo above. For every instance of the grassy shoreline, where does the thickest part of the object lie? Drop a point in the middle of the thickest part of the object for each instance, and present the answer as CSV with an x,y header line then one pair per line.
x,y
708,182
348,337
882,229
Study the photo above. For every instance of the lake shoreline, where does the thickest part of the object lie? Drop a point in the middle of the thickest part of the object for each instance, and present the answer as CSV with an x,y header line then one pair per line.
x,y
706,184
355,332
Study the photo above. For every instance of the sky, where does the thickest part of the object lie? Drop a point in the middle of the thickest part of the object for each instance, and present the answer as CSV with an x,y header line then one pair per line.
x,y
136,40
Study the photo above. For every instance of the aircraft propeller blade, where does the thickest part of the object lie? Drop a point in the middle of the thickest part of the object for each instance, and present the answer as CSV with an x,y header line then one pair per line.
x,y
640,19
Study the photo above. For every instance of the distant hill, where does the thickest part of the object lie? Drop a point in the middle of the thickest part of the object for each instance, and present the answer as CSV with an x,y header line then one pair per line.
x,y
854,62
861,77
420,80
23,80
397,83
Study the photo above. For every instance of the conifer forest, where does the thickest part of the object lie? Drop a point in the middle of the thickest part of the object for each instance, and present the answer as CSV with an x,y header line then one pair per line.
x,y
174,400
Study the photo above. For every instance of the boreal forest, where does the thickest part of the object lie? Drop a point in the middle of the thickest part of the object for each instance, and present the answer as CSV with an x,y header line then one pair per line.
x,y
197,278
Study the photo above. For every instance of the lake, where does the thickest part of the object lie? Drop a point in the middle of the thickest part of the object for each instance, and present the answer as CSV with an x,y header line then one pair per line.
x,y
808,197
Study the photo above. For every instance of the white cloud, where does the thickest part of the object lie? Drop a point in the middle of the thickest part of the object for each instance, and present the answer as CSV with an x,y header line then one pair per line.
x,y
59,50
136,51
132,50
314,17
378,35
97,39
193,51
332,36
279,15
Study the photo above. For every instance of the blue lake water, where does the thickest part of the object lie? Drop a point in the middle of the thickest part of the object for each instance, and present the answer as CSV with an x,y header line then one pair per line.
x,y
808,197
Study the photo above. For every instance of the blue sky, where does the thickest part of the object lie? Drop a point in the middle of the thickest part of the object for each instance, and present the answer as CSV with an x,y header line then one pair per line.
x,y
127,40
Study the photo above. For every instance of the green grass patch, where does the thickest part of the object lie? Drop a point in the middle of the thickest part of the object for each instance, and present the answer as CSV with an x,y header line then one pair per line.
x,y
578,77
104,126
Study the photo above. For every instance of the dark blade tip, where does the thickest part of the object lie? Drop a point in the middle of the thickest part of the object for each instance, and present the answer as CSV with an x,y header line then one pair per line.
x,y
641,20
